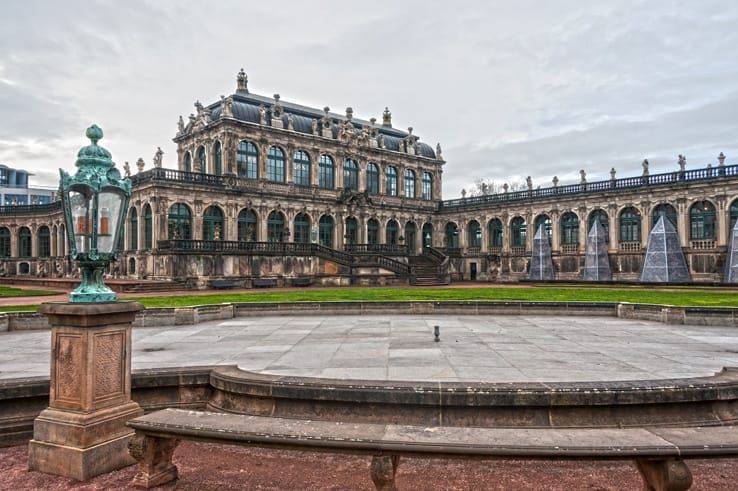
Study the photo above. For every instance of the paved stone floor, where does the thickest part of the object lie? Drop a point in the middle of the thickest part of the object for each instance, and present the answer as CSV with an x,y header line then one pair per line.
x,y
401,347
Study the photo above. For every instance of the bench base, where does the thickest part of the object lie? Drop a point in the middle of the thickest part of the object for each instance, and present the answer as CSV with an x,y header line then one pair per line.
x,y
154,456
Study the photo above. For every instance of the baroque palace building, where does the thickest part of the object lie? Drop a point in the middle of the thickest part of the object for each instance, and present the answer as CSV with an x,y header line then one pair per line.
x,y
268,192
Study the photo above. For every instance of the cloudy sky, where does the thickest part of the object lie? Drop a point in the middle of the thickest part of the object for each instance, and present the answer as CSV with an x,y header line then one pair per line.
x,y
509,88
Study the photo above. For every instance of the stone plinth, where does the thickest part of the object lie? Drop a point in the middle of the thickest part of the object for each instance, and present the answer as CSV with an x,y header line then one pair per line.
x,y
82,433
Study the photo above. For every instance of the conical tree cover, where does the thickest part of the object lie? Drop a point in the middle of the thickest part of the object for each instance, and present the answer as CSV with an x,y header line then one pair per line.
x,y
541,266
597,262
664,261
731,263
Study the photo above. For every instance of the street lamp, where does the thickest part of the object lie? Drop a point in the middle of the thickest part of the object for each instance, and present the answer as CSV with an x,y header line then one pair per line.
x,y
95,200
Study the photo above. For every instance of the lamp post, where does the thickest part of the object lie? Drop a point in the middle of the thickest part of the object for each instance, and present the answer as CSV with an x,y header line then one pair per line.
x,y
95,200
82,433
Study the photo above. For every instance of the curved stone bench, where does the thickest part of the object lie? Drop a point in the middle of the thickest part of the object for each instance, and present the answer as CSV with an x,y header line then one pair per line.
x,y
658,452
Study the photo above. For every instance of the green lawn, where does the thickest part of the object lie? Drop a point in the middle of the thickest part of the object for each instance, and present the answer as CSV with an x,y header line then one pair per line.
x,y
697,296
7,291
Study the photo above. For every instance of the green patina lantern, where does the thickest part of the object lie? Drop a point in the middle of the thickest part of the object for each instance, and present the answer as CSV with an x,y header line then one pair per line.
x,y
95,200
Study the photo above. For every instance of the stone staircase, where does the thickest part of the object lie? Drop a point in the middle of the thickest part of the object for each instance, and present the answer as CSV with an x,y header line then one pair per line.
x,y
425,271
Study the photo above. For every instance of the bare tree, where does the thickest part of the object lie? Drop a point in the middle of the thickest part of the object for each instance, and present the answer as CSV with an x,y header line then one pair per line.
x,y
483,187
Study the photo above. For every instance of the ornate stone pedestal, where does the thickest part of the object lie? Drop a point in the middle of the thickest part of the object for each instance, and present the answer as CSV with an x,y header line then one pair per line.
x,y
83,434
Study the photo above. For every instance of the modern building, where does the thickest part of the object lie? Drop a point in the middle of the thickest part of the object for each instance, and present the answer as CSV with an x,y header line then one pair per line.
x,y
271,192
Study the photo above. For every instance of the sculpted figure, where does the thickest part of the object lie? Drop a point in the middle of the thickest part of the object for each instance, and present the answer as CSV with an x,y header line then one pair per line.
x,y
157,157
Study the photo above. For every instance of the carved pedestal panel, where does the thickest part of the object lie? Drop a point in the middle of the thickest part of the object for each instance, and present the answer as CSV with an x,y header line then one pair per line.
x,y
83,433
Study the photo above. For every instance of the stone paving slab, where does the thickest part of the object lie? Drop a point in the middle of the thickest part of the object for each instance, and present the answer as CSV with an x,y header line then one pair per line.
x,y
401,347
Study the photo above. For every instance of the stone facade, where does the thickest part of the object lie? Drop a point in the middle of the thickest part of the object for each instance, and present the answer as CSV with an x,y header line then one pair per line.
x,y
268,188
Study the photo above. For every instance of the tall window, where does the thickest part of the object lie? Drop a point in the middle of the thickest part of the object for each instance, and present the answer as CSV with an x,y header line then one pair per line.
x,y
569,228
350,175
247,160
275,164
325,231
546,222
600,216
202,160
24,242
702,221
409,184
733,215
148,228
302,229
302,169
372,178
517,232
275,227
247,226
630,225
325,172
372,231
4,242
218,155
392,232
188,162
427,233
352,231
452,235
134,229
494,232
427,186
391,184
474,234
179,222
212,224
44,241
667,211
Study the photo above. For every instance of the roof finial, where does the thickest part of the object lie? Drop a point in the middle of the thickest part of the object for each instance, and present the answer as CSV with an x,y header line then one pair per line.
x,y
242,82
349,113
386,117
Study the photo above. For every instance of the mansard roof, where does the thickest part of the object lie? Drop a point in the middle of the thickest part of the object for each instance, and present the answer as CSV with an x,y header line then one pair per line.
x,y
246,108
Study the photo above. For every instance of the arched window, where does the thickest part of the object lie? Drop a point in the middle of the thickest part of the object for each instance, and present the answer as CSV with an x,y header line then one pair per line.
x,y
517,232
666,210
212,224
494,233
202,160
409,183
218,154
148,228
247,226
372,178
302,229
188,162
350,175
391,184
44,241
275,164
569,228
24,242
544,220
372,231
4,242
179,222
600,216
427,232
474,234
325,172
630,225
733,214
247,160
325,231
427,186
133,229
392,233
302,169
410,236
352,231
702,221
452,235
275,227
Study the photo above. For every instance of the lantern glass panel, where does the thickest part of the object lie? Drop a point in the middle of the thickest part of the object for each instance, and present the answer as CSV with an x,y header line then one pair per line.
x,y
110,209
80,206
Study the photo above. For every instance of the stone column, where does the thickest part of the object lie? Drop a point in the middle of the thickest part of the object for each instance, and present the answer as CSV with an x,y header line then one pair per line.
x,y
82,433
